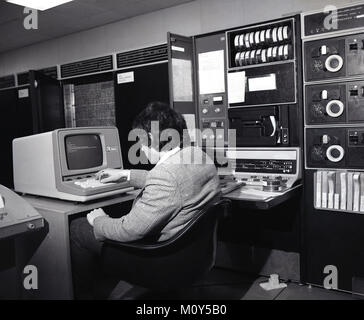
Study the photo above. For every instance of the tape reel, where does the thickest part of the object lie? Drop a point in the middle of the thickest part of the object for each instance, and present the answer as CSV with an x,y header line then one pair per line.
x,y
334,63
335,104
335,153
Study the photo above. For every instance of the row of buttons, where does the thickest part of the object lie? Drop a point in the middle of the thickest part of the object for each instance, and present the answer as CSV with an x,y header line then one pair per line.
x,y
206,110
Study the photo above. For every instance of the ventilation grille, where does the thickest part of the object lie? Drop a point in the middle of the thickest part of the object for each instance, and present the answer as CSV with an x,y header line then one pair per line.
x,y
7,82
87,66
142,56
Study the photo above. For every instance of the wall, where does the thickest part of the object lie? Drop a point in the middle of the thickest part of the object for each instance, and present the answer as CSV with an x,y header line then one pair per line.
x,y
200,16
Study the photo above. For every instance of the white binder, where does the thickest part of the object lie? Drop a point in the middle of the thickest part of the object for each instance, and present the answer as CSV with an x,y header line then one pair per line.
x,y
349,203
318,188
324,189
343,196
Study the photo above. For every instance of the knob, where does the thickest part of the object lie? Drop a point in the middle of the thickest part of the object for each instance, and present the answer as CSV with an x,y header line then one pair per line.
x,y
31,226
217,110
204,111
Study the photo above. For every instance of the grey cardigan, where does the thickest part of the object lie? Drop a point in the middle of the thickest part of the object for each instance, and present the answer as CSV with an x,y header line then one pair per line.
x,y
172,194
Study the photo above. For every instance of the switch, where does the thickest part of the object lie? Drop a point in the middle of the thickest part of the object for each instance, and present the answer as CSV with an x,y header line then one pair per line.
x,y
354,138
353,46
325,139
323,50
324,94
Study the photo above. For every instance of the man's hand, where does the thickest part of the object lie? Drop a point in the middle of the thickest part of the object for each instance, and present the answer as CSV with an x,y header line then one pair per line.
x,y
113,175
95,214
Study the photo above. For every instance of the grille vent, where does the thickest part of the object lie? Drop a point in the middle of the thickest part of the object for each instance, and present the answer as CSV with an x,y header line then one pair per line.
x,y
7,82
142,56
87,66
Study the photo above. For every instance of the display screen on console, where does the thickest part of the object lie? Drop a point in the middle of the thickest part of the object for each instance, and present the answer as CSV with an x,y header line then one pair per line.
x,y
83,151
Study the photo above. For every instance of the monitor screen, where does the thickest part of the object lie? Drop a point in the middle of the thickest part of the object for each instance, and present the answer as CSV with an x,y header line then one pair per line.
x,y
83,151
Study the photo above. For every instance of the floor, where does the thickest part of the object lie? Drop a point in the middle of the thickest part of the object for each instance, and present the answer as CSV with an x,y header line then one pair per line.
x,y
222,284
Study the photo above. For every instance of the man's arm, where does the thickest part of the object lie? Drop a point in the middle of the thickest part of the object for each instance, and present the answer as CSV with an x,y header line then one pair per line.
x,y
159,203
137,178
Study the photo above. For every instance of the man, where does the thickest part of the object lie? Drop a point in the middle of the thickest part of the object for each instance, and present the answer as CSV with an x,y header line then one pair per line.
x,y
182,182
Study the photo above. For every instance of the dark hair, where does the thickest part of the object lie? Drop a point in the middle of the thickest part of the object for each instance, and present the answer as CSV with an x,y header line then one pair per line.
x,y
166,117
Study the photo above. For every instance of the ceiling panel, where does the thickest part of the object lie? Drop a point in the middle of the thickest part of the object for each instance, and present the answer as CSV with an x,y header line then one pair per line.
x,y
70,18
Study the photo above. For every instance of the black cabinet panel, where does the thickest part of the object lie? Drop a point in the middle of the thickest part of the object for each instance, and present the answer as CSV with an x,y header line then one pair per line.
x,y
151,83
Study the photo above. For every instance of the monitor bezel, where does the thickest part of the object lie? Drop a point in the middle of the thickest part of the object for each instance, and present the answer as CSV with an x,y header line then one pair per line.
x,y
62,135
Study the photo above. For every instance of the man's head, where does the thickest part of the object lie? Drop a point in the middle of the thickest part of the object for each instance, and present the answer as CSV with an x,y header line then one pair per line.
x,y
164,127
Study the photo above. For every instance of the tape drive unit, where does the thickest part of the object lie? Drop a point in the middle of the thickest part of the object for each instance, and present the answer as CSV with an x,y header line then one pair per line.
x,y
264,126
334,103
338,57
335,147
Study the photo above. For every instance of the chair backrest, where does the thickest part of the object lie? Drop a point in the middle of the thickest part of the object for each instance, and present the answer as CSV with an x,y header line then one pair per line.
x,y
181,260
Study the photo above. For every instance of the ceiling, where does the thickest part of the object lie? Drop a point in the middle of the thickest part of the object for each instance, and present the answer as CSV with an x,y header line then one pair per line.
x,y
69,18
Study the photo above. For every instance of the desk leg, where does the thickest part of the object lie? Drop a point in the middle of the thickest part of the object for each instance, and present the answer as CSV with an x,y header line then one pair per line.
x,y
51,255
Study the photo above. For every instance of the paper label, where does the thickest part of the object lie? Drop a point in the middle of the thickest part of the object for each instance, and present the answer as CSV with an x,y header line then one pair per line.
x,y
236,87
182,80
179,49
23,93
126,77
211,72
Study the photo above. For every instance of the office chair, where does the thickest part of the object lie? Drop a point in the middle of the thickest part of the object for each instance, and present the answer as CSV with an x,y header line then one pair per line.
x,y
173,264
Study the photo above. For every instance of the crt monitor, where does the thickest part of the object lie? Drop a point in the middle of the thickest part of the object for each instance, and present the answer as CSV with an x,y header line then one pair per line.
x,y
62,163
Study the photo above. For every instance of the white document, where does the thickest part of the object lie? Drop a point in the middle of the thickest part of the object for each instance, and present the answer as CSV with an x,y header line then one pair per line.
x,y
318,188
211,72
182,80
236,87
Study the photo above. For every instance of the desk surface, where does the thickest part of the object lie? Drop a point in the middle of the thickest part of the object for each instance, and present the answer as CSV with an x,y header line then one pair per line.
x,y
69,207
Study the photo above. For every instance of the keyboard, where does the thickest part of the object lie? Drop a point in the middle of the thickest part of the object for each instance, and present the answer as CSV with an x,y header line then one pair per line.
x,y
92,183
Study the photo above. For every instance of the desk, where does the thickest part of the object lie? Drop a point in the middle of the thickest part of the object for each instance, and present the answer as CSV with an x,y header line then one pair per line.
x,y
51,252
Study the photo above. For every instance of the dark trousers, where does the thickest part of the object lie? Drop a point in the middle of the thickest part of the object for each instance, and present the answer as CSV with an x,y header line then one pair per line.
x,y
85,258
